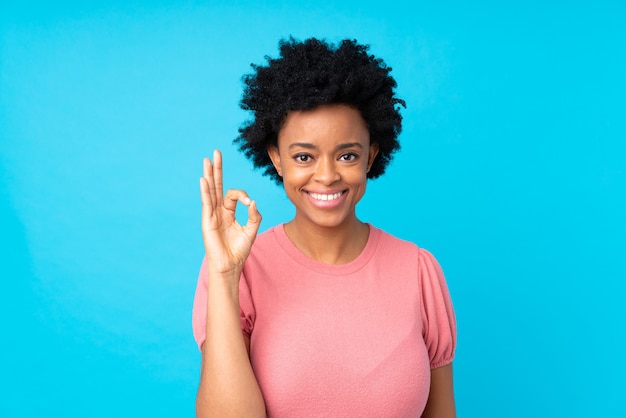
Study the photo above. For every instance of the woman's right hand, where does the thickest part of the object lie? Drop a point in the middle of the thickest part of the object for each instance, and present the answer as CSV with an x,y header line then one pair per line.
x,y
228,386
227,244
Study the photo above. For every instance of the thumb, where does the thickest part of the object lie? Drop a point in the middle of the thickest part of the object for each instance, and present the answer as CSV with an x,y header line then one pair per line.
x,y
254,220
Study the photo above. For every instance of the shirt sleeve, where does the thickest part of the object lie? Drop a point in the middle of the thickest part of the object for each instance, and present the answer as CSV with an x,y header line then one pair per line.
x,y
198,320
438,320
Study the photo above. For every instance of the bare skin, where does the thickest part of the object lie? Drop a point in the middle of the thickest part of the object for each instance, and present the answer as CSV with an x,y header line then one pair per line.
x,y
228,387
326,151
441,398
323,156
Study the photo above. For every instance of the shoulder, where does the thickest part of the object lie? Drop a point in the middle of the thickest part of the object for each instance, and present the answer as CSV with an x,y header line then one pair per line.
x,y
267,237
267,246
389,243
396,248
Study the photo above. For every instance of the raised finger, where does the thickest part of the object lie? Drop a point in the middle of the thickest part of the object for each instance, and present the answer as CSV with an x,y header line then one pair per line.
x,y
218,177
207,206
208,176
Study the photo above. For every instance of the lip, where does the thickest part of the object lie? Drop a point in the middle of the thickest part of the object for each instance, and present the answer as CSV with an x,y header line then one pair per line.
x,y
327,199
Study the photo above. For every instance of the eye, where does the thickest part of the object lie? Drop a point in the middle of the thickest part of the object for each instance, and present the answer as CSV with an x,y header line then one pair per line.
x,y
350,156
302,158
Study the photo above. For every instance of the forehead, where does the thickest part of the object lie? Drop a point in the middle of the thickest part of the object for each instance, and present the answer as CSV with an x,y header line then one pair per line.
x,y
324,124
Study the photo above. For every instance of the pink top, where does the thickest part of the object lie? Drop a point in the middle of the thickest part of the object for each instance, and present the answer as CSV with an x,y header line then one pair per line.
x,y
353,340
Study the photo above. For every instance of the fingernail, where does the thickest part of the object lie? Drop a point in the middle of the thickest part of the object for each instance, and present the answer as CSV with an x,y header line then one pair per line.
x,y
246,200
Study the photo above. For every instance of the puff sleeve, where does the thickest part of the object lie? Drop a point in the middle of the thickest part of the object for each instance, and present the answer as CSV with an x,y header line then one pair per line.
x,y
438,320
198,320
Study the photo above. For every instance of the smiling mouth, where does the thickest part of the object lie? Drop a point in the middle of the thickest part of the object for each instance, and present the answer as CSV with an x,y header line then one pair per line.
x,y
326,197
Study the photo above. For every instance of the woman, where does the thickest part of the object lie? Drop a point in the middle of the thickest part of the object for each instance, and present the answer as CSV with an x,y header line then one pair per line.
x,y
324,315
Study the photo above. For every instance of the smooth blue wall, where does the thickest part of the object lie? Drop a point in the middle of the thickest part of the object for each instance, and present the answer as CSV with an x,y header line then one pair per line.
x,y
512,172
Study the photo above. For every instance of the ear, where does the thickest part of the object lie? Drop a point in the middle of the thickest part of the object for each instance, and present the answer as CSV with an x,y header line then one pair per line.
x,y
272,151
374,148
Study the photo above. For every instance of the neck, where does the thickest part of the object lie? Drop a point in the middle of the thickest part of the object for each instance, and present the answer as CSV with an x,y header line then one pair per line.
x,y
331,245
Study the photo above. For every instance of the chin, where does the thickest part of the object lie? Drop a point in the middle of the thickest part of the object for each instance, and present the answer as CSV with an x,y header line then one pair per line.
x,y
329,221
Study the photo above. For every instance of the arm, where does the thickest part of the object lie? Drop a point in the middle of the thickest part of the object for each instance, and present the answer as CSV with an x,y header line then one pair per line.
x,y
228,387
441,399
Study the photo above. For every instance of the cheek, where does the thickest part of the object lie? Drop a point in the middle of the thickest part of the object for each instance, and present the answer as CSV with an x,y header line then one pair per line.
x,y
294,176
356,177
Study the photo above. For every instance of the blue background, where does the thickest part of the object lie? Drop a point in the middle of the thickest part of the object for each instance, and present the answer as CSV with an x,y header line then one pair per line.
x,y
512,173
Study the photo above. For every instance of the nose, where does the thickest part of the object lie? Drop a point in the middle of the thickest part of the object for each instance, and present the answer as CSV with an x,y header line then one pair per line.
x,y
326,171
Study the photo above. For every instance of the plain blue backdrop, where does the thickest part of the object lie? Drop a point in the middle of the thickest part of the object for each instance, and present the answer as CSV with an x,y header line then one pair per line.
x,y
512,173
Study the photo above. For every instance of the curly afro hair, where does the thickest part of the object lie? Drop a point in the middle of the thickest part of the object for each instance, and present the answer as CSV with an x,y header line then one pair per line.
x,y
310,74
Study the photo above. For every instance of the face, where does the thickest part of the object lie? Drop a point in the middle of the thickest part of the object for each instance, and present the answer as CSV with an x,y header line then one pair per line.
x,y
323,156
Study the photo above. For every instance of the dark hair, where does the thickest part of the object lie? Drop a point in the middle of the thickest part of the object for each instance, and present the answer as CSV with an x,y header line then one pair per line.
x,y
310,74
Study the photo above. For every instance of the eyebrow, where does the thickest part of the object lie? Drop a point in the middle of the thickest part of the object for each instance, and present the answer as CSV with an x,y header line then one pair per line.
x,y
312,146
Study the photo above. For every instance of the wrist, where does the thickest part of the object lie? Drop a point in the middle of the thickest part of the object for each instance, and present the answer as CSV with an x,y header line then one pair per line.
x,y
221,282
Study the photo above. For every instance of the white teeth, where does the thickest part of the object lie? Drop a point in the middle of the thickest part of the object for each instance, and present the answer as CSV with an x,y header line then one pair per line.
x,y
318,196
